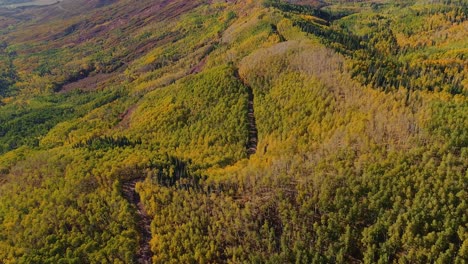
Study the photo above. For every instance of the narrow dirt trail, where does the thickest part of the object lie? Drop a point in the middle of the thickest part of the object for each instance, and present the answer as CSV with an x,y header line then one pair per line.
x,y
251,122
253,132
144,221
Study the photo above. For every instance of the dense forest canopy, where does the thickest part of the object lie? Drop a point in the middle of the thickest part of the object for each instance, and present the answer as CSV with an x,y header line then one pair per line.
x,y
234,132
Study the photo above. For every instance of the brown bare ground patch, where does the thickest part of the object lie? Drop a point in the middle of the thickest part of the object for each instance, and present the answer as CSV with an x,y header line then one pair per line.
x,y
90,83
199,67
202,61
146,46
7,17
96,22
125,117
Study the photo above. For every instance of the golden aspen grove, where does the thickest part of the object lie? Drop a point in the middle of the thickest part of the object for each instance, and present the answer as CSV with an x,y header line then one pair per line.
x,y
234,131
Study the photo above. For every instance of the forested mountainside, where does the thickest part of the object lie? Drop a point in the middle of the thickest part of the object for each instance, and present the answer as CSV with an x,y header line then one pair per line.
x,y
206,131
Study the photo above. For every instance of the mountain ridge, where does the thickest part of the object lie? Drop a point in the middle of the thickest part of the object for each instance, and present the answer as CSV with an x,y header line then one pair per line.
x,y
237,131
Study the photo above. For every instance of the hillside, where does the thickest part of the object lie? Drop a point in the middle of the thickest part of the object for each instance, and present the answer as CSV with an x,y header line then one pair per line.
x,y
209,131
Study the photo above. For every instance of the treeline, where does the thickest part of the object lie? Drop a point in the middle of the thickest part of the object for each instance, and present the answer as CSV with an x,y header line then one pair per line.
x,y
8,75
315,217
376,60
24,130
105,142
171,171
65,217
326,15
24,124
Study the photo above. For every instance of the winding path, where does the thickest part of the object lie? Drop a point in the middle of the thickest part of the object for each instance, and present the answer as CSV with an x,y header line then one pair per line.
x,y
144,221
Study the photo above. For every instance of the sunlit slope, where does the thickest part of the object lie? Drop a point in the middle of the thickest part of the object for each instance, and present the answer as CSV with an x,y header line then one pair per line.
x,y
349,166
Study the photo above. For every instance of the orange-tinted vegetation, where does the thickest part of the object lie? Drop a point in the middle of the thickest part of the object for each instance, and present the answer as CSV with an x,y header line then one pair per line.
x,y
234,132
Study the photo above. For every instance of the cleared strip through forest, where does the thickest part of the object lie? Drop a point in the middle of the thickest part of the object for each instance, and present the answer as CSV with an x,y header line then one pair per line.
x,y
253,133
144,221
251,122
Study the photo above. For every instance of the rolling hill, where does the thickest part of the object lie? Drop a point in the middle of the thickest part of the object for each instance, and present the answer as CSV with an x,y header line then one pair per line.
x,y
212,131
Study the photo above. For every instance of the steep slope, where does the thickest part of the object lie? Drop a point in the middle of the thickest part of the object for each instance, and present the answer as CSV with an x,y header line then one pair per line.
x,y
234,132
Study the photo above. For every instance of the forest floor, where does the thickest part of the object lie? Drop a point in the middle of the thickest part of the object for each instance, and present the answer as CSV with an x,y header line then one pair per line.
x,y
144,221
